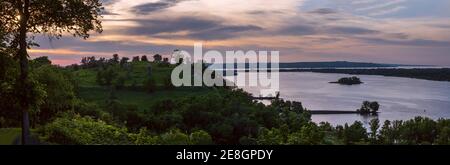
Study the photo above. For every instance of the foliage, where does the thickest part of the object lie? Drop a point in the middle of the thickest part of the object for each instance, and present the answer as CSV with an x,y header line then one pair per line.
x,y
157,58
40,61
368,107
144,58
54,18
355,133
123,61
8,74
200,137
270,137
106,76
119,115
348,81
59,91
308,135
374,125
135,59
83,130
21,20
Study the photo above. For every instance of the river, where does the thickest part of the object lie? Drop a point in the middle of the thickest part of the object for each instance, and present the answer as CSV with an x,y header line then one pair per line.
x,y
400,98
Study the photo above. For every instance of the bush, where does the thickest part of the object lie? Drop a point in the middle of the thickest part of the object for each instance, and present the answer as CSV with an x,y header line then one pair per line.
x,y
174,137
83,131
59,90
92,110
200,138
308,135
144,138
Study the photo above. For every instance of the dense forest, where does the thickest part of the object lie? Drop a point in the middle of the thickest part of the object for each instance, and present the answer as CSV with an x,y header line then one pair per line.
x,y
117,101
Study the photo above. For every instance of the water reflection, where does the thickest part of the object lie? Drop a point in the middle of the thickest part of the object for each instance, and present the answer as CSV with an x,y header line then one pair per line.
x,y
400,98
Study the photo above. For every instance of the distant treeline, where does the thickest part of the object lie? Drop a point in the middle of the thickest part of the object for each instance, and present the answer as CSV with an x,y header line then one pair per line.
x,y
442,74
307,65
335,64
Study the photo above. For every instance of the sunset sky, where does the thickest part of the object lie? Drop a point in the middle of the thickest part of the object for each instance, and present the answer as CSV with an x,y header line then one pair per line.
x,y
382,31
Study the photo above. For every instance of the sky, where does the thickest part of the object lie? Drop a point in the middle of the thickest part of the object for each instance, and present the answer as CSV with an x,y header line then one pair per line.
x,y
380,31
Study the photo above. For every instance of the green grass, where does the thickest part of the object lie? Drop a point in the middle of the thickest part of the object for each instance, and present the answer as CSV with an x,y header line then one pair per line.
x,y
137,76
7,135
90,91
86,77
142,100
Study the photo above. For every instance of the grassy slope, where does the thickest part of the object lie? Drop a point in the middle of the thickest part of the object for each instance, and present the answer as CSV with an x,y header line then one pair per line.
x,y
7,135
87,77
90,91
142,99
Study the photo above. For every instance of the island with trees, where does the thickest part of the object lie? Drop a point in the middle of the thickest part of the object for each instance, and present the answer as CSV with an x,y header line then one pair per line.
x,y
348,81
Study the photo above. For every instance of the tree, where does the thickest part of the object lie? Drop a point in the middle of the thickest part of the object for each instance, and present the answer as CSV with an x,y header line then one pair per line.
x,y
157,58
200,138
355,133
52,17
41,61
368,107
166,60
444,136
124,60
144,58
115,58
349,81
59,91
270,137
8,75
386,133
174,137
374,125
308,135
420,130
135,59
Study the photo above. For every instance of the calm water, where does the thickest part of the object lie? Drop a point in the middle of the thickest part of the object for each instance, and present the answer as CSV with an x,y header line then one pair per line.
x,y
400,98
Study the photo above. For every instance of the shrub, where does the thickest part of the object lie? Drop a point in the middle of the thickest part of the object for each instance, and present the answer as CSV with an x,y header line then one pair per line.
x,y
200,138
83,131
174,137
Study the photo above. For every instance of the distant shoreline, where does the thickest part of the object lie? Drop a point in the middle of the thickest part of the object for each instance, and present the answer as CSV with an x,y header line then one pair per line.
x,y
331,112
434,74
442,74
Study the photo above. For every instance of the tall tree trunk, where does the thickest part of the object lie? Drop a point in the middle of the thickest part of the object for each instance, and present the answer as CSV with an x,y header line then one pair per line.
x,y
23,78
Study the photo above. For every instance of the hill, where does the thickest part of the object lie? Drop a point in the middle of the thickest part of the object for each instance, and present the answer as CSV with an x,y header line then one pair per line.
x,y
132,91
